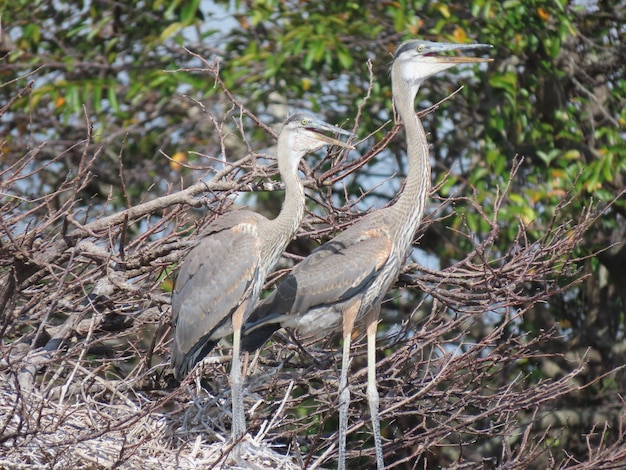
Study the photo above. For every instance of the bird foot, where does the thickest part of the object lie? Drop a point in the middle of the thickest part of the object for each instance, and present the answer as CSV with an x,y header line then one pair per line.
x,y
245,453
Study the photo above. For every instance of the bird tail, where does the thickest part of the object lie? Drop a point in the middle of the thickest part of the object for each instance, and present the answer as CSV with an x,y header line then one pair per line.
x,y
259,327
183,363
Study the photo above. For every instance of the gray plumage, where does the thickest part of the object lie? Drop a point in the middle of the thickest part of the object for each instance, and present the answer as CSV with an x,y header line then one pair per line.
x,y
222,276
345,280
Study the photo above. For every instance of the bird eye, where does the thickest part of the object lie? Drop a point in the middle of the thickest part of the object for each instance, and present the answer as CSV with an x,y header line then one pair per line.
x,y
420,48
304,122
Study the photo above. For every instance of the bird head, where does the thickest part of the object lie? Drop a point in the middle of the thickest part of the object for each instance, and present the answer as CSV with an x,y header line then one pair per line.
x,y
305,133
416,60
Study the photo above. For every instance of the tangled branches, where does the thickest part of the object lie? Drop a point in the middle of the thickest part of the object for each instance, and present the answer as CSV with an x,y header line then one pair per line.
x,y
464,381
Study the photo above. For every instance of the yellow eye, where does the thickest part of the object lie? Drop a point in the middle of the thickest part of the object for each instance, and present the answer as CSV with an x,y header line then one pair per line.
x,y
420,48
304,122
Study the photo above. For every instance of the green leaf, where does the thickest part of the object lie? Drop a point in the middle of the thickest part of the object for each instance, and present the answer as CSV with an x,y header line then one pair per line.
x,y
548,157
112,97
189,11
510,4
345,59
96,97
172,29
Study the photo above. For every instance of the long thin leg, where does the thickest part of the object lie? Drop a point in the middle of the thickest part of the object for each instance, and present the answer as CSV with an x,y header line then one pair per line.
x,y
372,392
239,418
349,316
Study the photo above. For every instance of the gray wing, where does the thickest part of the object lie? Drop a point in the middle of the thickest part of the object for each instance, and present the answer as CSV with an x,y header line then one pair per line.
x,y
336,271
216,276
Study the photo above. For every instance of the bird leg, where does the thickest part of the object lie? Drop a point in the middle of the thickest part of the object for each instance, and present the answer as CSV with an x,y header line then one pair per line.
x,y
349,316
371,324
239,419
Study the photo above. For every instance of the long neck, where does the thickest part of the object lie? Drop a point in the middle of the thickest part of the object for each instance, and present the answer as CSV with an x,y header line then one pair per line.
x,y
282,228
409,208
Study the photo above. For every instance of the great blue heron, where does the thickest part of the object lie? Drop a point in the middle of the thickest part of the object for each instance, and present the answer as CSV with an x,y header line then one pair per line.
x,y
345,279
221,278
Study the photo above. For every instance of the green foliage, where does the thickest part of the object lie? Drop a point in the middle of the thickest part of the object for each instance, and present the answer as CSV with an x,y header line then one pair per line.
x,y
544,116
104,64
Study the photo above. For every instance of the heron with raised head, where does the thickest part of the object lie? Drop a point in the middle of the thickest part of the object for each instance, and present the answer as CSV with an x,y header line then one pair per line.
x,y
345,280
222,276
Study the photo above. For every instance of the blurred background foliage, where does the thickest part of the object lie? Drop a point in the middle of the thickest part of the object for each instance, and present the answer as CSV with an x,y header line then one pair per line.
x,y
555,94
